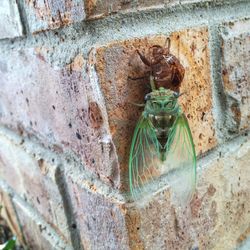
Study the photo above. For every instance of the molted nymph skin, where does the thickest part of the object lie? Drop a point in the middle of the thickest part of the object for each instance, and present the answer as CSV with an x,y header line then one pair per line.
x,y
164,67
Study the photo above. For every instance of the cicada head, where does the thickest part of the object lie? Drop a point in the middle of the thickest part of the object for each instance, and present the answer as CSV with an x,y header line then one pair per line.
x,y
162,101
157,52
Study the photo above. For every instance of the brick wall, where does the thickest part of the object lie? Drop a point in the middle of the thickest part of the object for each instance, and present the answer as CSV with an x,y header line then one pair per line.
x,y
66,122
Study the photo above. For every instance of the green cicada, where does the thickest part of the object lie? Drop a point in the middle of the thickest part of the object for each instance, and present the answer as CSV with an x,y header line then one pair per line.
x,y
162,146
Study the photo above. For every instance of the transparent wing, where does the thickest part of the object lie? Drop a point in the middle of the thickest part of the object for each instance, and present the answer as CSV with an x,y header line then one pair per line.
x,y
144,159
147,171
180,164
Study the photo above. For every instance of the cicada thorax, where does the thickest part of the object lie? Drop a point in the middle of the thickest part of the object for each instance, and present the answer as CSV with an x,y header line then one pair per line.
x,y
162,110
162,124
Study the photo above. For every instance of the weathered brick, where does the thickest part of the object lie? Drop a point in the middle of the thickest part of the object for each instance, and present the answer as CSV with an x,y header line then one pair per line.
x,y
100,220
217,217
30,229
61,106
100,8
33,179
220,201
51,14
37,234
10,23
236,72
118,61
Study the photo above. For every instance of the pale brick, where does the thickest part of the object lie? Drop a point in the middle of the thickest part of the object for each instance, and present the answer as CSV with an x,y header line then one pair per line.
x,y
236,72
10,23
217,217
117,61
52,14
60,106
34,180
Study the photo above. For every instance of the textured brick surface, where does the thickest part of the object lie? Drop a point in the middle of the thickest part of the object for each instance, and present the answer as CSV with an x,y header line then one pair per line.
x,y
30,229
10,23
217,218
118,61
66,97
236,71
220,201
34,179
51,14
101,8
60,106
37,234
101,221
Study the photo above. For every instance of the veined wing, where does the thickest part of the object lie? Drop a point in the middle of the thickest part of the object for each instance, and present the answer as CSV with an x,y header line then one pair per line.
x,y
144,158
180,164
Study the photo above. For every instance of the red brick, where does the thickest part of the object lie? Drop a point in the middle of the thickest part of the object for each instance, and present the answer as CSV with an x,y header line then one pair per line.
x,y
98,8
61,106
33,179
236,72
37,234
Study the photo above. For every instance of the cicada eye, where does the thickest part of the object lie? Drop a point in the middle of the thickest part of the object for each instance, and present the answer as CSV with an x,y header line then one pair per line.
x,y
147,97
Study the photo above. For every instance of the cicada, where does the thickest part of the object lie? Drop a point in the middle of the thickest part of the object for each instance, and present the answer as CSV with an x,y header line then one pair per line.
x,y
162,146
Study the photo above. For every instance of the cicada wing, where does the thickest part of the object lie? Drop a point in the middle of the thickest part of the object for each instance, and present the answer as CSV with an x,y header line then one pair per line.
x,y
180,164
144,157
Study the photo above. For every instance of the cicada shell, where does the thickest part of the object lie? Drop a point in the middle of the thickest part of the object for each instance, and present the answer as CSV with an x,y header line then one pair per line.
x,y
165,69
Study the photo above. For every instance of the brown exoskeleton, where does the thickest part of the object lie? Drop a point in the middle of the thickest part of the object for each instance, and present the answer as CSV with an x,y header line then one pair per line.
x,y
165,70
